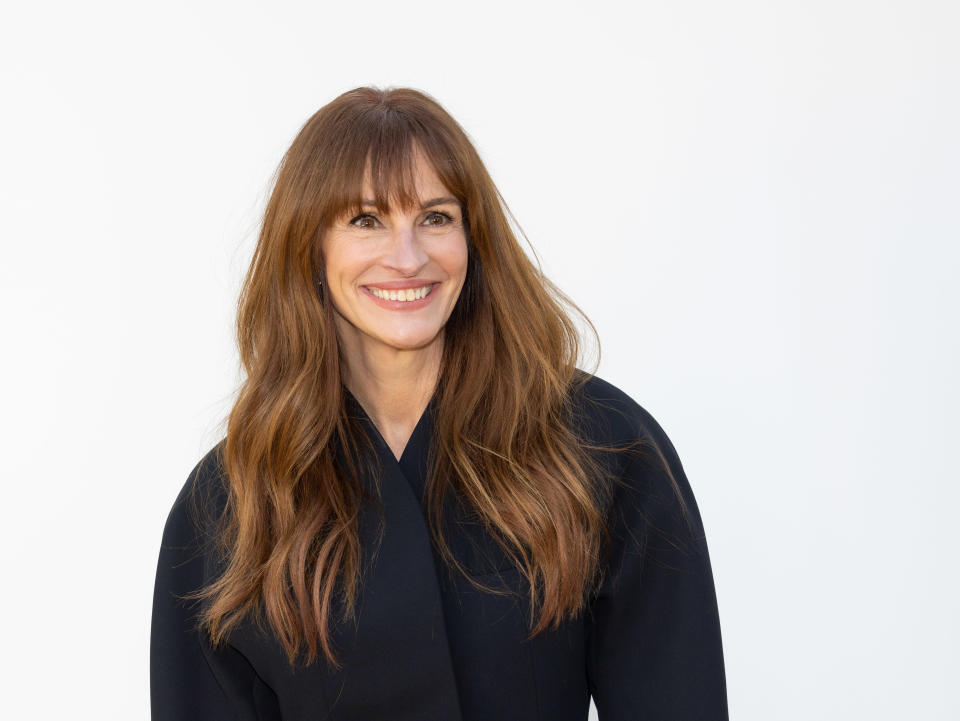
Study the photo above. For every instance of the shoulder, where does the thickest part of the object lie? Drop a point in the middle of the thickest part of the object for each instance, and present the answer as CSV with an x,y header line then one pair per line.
x,y
200,503
189,555
648,475
608,414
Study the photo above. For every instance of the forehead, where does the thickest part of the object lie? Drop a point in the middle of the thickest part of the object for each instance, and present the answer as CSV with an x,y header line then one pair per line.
x,y
405,184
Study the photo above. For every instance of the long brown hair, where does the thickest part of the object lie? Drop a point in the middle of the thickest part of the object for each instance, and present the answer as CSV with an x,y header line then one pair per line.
x,y
505,440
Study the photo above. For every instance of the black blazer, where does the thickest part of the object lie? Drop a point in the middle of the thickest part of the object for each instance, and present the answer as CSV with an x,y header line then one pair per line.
x,y
430,647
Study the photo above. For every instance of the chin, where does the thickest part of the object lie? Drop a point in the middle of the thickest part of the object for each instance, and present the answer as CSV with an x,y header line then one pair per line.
x,y
410,342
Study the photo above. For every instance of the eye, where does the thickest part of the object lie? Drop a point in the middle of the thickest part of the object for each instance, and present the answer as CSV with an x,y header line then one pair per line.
x,y
364,216
434,218
437,215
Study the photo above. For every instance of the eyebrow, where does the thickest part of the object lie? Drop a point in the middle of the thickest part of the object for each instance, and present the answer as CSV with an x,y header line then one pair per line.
x,y
427,204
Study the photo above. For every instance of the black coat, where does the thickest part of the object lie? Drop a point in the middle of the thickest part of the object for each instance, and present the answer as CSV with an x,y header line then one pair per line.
x,y
430,647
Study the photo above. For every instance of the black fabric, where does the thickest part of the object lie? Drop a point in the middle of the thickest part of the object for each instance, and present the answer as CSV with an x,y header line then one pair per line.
x,y
429,646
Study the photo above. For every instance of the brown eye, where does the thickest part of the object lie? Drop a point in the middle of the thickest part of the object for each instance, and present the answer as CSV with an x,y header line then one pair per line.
x,y
365,216
436,215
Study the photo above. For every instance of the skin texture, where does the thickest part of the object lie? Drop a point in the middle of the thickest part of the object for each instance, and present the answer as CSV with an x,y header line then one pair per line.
x,y
392,357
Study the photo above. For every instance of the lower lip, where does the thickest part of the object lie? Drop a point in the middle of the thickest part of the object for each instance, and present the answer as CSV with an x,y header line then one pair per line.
x,y
403,304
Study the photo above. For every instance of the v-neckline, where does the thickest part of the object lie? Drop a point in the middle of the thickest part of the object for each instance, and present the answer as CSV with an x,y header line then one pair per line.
x,y
412,442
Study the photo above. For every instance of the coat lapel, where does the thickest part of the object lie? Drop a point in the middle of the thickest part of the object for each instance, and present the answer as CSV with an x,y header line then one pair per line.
x,y
396,660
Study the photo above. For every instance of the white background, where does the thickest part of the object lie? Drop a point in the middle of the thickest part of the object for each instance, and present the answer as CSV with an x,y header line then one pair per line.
x,y
755,202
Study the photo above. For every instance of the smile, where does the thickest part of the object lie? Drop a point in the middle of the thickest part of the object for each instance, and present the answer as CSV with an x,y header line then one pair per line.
x,y
406,295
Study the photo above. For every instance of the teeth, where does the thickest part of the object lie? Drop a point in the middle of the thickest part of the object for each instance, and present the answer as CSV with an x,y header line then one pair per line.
x,y
404,294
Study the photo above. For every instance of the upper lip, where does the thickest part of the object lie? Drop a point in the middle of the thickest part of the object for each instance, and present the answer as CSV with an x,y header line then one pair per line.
x,y
400,284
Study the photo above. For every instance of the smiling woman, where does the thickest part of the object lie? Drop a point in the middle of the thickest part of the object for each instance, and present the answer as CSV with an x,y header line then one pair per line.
x,y
423,508
393,279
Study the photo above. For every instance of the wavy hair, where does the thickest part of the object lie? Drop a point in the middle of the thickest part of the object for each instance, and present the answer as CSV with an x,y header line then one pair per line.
x,y
506,442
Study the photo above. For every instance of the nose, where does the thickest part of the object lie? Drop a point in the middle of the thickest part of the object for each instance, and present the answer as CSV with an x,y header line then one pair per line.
x,y
405,254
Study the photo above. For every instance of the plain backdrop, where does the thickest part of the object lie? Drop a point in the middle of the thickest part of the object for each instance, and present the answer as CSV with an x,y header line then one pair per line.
x,y
755,202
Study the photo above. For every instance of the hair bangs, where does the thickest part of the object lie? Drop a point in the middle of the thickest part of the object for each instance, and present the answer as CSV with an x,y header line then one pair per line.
x,y
390,171
378,153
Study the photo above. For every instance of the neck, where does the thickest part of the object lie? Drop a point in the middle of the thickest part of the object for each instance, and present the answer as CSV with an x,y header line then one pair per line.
x,y
393,385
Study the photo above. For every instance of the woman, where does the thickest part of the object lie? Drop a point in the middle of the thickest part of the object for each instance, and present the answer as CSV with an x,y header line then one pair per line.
x,y
422,508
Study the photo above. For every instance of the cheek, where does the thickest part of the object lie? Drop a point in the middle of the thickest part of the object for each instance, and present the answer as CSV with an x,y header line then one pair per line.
x,y
344,264
454,256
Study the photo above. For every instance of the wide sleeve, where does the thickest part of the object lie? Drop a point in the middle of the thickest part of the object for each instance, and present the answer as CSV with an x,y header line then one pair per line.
x,y
189,679
654,647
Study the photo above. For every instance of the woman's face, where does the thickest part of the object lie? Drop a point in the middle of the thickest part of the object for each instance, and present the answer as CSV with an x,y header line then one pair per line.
x,y
378,268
